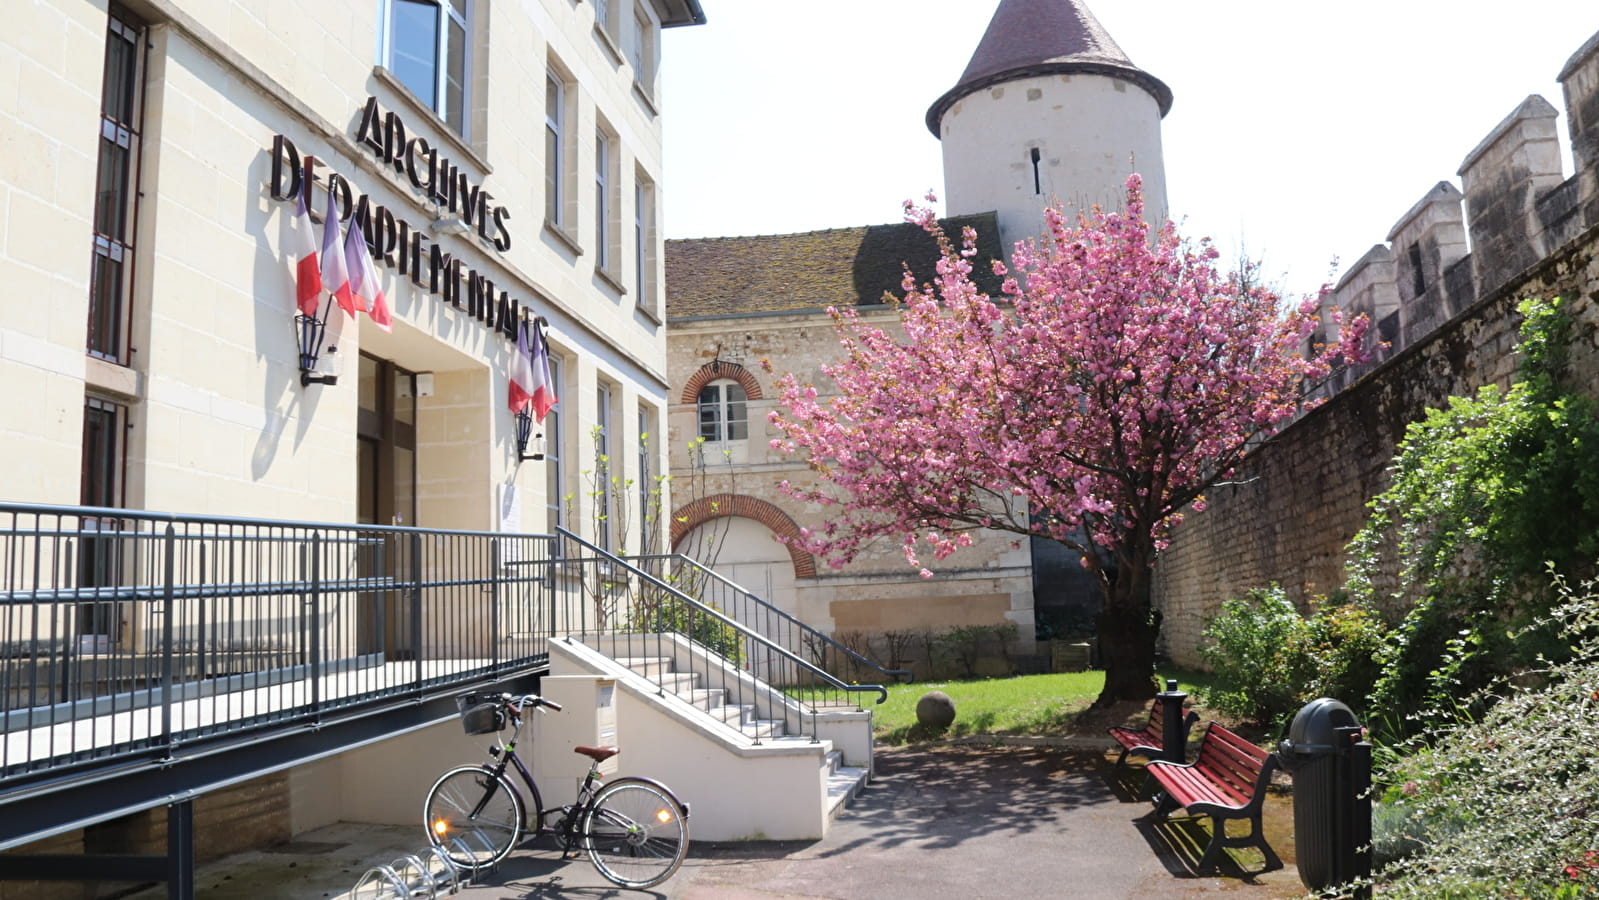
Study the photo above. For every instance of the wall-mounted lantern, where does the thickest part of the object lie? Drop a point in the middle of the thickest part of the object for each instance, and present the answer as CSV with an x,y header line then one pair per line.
x,y
316,367
525,436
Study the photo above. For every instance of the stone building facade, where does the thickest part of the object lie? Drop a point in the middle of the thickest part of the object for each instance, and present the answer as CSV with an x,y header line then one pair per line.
x,y
1443,290
1048,110
503,162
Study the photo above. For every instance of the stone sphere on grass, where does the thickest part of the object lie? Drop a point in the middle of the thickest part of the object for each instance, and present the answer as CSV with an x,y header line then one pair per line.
x,y
935,710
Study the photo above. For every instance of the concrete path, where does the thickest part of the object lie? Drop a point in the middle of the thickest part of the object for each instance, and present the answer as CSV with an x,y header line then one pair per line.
x,y
967,821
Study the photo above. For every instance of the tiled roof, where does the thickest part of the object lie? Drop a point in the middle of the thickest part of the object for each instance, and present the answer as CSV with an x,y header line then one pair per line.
x,y
812,270
1042,37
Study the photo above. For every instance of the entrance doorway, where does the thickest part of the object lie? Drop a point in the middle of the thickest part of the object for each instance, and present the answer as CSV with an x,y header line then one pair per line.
x,y
386,495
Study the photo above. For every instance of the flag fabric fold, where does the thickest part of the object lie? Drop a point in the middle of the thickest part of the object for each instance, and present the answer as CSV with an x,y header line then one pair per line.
x,y
364,284
335,276
307,267
543,392
520,390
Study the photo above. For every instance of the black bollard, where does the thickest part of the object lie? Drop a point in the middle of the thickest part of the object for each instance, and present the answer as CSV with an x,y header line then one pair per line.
x,y
1173,736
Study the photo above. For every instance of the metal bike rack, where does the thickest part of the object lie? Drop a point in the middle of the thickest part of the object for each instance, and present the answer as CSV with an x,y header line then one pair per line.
x,y
430,873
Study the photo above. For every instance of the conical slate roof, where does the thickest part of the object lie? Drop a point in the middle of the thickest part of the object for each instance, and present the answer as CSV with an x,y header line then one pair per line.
x,y
1044,37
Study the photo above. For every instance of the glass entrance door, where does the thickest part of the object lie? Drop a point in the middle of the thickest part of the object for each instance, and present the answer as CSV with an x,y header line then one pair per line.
x,y
386,471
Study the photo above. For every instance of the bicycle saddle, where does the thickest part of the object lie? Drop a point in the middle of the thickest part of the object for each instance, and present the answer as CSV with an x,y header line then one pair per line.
x,y
598,754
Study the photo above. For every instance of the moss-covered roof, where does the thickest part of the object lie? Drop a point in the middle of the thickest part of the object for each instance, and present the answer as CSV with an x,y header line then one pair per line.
x,y
814,269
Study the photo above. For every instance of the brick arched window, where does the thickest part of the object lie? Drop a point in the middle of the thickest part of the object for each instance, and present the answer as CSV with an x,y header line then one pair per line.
x,y
691,515
718,370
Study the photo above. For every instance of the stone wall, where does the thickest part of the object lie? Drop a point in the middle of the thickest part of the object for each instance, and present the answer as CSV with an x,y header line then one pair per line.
x,y
1292,508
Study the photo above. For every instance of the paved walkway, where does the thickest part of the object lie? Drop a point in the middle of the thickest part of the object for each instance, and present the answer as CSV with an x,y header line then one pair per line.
x,y
965,821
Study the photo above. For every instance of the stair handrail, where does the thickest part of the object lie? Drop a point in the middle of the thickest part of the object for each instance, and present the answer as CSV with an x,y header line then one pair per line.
x,y
740,627
768,607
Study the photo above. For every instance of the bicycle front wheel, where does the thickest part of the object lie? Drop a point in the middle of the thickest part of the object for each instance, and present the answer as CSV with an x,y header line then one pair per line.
x,y
635,834
475,815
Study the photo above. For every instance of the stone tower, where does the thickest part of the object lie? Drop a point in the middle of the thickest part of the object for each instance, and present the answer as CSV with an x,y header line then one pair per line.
x,y
1049,110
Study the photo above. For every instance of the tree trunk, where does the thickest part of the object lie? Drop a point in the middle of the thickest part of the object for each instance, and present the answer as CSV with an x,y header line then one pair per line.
x,y
1127,642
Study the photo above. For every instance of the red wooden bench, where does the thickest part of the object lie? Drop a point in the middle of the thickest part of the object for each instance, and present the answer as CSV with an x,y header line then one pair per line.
x,y
1227,780
1149,740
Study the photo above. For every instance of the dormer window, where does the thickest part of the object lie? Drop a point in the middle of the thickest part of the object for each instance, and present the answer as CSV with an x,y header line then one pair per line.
x,y
723,416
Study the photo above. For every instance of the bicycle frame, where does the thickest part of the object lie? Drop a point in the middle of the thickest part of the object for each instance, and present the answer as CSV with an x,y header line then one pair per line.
x,y
505,757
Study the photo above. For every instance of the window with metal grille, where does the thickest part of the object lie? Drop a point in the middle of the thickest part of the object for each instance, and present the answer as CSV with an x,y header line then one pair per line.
x,y
116,193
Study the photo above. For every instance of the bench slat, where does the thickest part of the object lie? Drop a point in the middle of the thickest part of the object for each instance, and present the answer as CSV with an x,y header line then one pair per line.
x,y
1226,780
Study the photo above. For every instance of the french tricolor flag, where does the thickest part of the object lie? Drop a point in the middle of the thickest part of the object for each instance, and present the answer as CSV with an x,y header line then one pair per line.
x,y
308,268
520,392
543,392
335,277
364,282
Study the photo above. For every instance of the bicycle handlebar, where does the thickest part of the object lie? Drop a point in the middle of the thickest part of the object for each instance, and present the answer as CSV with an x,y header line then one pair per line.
x,y
533,700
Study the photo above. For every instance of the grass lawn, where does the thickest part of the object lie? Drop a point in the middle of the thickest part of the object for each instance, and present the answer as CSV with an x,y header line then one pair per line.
x,y
1052,705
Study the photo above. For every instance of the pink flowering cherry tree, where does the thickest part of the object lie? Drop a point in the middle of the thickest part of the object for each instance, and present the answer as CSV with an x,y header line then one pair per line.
x,y
1119,376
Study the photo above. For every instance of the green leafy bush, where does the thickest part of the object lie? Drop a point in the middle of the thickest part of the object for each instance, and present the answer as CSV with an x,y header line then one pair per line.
x,y
1254,649
1482,494
1269,660
1505,804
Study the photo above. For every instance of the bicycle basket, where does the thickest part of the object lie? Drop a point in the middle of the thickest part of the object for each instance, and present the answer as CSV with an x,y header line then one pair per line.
x,y
485,717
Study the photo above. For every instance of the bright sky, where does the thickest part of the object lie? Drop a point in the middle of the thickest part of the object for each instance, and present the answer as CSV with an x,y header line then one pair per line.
x,y
1300,131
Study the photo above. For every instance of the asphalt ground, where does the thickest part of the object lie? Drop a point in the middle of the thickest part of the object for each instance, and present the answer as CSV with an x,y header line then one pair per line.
x,y
967,820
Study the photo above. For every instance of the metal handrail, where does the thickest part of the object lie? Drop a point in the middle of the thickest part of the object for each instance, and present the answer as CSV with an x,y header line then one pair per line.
x,y
770,609
740,627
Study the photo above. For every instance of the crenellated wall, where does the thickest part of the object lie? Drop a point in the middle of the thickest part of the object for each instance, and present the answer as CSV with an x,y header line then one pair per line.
x,y
1450,316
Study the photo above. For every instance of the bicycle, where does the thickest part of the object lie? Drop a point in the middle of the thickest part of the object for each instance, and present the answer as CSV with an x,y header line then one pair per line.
x,y
634,830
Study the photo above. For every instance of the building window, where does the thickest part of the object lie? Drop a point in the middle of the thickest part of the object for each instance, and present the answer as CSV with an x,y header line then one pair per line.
x,y
425,48
116,194
101,481
644,241
641,51
604,153
1418,279
556,97
605,16
602,467
554,458
648,511
722,413
606,202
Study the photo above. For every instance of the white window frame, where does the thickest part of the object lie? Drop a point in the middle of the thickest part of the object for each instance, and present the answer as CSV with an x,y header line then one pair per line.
x,y
604,161
641,50
554,457
557,91
644,241
604,465
449,12
646,429
721,424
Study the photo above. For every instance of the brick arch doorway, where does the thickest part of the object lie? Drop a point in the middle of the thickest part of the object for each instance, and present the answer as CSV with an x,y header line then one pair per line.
x,y
746,552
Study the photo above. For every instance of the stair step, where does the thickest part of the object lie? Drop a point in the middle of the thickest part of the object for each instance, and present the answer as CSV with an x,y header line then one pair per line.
x,y
648,666
705,698
679,683
843,785
833,761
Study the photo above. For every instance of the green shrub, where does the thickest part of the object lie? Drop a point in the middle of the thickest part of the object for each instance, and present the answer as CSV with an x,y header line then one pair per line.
x,y
1483,493
1504,804
1256,650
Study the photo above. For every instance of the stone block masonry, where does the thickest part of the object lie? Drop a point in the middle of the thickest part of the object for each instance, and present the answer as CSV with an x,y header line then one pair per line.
x,y
1291,509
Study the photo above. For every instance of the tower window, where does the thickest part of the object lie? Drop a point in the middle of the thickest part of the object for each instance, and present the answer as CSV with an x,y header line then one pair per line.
x,y
1418,280
1038,178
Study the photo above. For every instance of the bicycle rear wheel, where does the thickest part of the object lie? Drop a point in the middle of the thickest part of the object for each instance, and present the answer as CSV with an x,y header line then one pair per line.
x,y
635,834
477,807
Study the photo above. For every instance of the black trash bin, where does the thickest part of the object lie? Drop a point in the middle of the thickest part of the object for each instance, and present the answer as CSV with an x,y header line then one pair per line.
x,y
1331,768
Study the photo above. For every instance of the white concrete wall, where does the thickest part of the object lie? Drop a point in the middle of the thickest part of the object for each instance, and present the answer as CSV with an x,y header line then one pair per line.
x,y
1092,131
218,421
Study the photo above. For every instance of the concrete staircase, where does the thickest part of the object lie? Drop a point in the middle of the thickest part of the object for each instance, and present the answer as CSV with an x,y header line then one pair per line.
x,y
743,775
